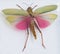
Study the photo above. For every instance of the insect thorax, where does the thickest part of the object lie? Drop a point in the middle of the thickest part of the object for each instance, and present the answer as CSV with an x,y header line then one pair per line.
x,y
30,12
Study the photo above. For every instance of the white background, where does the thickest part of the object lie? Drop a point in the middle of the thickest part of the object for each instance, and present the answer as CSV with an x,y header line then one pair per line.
x,y
12,41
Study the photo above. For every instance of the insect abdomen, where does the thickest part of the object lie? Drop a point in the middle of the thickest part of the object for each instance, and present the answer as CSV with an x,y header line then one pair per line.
x,y
33,29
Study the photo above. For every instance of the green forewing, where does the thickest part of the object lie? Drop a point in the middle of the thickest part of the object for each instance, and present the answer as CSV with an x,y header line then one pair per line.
x,y
15,12
45,9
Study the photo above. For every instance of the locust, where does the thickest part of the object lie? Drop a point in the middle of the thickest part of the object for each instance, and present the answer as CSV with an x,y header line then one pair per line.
x,y
29,19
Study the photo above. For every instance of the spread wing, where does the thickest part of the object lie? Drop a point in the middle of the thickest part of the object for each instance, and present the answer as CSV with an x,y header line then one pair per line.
x,y
45,9
45,20
19,22
15,12
24,24
17,18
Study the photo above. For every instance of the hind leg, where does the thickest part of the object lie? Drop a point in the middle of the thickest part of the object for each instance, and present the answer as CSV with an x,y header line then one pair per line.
x,y
26,40
36,24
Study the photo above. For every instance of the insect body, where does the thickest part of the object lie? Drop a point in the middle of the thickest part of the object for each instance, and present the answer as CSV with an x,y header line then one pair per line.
x,y
23,20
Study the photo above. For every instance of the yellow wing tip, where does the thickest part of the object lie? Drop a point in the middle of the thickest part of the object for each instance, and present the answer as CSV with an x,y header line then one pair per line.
x,y
53,16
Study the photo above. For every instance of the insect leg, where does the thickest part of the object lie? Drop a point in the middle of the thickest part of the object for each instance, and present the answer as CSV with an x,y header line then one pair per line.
x,y
26,40
36,24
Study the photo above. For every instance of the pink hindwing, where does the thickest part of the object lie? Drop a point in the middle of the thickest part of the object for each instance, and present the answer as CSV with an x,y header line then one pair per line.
x,y
24,24
43,23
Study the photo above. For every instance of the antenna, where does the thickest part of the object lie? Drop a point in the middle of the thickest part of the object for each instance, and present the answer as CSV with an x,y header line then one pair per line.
x,y
34,6
19,6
